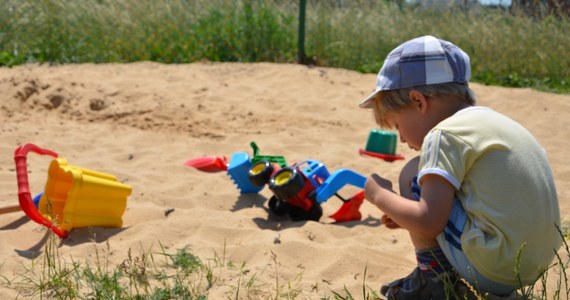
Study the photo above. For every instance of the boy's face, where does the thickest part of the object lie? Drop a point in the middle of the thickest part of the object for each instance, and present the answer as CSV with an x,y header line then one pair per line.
x,y
412,125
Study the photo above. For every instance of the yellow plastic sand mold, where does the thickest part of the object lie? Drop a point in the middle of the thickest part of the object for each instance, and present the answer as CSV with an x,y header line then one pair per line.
x,y
75,197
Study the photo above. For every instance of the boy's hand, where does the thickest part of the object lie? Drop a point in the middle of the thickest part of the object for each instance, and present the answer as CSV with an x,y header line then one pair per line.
x,y
376,179
375,186
388,222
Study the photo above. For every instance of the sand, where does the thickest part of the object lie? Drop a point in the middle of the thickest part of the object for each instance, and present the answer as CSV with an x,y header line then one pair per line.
x,y
142,121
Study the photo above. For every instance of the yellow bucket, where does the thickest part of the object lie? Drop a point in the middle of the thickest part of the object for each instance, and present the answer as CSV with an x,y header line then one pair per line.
x,y
75,197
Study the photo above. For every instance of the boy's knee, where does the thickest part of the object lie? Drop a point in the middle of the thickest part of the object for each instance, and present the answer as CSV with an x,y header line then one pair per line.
x,y
409,171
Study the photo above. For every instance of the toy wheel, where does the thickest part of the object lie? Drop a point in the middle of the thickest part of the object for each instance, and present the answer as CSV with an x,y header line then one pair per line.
x,y
278,207
286,183
260,172
313,214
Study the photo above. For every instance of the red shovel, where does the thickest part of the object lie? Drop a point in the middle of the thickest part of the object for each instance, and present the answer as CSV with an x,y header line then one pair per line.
x,y
209,164
350,209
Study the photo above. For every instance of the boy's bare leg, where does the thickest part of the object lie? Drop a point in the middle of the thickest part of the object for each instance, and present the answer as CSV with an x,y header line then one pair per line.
x,y
427,279
409,171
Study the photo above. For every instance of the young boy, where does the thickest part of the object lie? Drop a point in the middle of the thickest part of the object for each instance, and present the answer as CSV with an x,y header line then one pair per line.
x,y
479,201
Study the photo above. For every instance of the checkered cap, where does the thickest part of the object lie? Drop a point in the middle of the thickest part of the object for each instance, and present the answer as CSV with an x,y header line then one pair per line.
x,y
421,61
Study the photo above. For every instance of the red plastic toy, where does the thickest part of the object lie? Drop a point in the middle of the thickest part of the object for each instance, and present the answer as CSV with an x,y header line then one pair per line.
x,y
24,196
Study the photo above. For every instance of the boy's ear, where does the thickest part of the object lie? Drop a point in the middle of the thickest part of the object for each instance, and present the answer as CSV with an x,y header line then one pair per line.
x,y
418,100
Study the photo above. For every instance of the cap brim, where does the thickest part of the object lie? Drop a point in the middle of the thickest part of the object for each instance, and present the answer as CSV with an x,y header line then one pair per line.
x,y
368,102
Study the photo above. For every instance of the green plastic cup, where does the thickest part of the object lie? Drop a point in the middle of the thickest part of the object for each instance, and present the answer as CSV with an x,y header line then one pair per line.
x,y
380,141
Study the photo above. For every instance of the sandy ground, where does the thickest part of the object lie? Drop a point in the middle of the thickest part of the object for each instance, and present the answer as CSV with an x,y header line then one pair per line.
x,y
142,121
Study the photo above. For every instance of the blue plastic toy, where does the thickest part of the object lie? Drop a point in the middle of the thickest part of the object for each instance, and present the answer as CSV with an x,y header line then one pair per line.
x,y
238,169
298,189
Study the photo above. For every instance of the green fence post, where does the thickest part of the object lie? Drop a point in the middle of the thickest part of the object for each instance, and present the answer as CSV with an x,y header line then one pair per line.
x,y
301,35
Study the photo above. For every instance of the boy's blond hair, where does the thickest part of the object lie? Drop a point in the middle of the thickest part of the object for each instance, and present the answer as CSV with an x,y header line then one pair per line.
x,y
390,101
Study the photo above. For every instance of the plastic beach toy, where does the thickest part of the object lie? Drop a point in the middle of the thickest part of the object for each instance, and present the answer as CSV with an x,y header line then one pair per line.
x,y
212,164
381,141
74,197
381,144
237,168
298,189
209,164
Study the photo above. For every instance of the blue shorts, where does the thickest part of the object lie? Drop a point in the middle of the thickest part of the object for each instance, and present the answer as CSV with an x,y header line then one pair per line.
x,y
450,243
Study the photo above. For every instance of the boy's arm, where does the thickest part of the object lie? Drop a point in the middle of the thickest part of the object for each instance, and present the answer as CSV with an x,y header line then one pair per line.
x,y
425,218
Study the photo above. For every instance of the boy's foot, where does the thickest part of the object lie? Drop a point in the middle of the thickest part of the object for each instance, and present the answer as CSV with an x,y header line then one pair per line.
x,y
417,285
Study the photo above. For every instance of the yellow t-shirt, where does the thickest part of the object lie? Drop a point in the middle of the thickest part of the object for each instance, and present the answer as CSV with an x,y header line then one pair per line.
x,y
504,181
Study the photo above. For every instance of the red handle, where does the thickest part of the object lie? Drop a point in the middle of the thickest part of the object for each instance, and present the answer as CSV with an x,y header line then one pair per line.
x,y
24,196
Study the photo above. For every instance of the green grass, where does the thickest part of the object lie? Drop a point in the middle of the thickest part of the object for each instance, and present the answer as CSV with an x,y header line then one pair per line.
x,y
165,274
505,49
149,275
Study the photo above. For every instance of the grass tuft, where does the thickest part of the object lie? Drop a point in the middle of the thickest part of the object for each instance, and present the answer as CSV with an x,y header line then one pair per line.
x,y
180,274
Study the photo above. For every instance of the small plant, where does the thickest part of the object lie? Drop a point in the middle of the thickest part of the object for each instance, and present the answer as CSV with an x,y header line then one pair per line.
x,y
367,292
183,275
